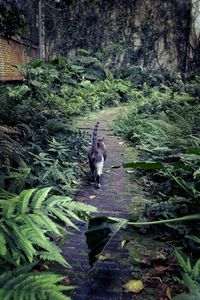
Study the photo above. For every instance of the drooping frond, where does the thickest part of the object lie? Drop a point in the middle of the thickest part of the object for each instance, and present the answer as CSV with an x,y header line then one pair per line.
x,y
29,219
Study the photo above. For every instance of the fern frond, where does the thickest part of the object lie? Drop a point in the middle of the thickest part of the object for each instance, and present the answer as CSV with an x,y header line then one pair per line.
x,y
41,219
8,207
59,296
5,194
39,197
80,207
3,248
73,215
20,240
28,220
189,266
24,198
61,216
56,199
67,202
25,129
196,270
182,262
53,256
6,276
33,226
25,285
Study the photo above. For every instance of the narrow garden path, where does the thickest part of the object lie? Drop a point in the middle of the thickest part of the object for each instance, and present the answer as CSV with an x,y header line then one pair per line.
x,y
118,197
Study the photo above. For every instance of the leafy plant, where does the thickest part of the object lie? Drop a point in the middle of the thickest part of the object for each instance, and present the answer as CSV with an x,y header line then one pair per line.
x,y
23,283
163,123
12,19
190,277
29,220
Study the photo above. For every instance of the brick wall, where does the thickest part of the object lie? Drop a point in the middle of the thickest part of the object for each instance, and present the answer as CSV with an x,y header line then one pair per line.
x,y
14,52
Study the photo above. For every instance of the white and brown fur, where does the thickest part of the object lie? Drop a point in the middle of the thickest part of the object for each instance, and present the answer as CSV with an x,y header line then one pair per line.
x,y
97,156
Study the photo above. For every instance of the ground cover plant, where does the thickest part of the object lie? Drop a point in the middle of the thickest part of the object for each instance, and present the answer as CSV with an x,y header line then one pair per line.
x,y
163,124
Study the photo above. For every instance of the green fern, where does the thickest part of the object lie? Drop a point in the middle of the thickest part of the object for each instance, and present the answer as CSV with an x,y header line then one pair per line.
x,y
58,148
24,284
190,277
22,206
3,248
27,221
43,159
39,197
184,264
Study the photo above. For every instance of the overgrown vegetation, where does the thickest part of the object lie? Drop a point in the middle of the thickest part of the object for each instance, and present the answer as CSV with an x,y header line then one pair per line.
x,y
42,157
40,145
163,123
12,20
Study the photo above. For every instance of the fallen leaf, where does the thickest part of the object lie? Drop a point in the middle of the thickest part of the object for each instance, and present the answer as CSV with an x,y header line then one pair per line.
x,y
123,243
134,286
121,143
92,197
107,171
130,171
104,256
168,293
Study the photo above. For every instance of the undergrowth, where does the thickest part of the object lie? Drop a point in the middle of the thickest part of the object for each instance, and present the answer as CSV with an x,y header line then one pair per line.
x,y
41,160
42,157
163,123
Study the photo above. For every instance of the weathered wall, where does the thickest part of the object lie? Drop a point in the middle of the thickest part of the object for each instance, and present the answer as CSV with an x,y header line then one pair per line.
x,y
193,59
14,52
150,32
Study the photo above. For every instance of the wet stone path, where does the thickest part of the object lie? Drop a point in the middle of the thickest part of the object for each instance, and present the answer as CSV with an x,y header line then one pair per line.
x,y
115,197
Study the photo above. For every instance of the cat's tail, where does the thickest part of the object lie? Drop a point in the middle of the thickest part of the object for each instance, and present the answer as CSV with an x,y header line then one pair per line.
x,y
94,137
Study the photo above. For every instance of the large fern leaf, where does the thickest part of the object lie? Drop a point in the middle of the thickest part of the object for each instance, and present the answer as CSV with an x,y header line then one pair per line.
x,y
29,219
54,256
26,285
43,220
24,198
21,241
61,216
39,197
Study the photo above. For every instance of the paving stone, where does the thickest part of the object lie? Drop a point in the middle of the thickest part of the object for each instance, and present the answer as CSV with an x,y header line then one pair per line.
x,y
104,281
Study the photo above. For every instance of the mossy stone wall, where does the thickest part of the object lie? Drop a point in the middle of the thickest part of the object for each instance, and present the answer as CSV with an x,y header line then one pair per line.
x,y
150,32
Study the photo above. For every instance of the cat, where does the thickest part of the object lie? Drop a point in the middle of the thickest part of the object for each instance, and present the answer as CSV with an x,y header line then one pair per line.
x,y
97,156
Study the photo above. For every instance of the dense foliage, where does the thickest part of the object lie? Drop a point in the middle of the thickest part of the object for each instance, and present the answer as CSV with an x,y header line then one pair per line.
x,y
164,124
12,19
40,145
41,159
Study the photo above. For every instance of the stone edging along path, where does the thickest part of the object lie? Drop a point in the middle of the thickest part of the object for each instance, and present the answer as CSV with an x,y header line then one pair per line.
x,y
118,197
